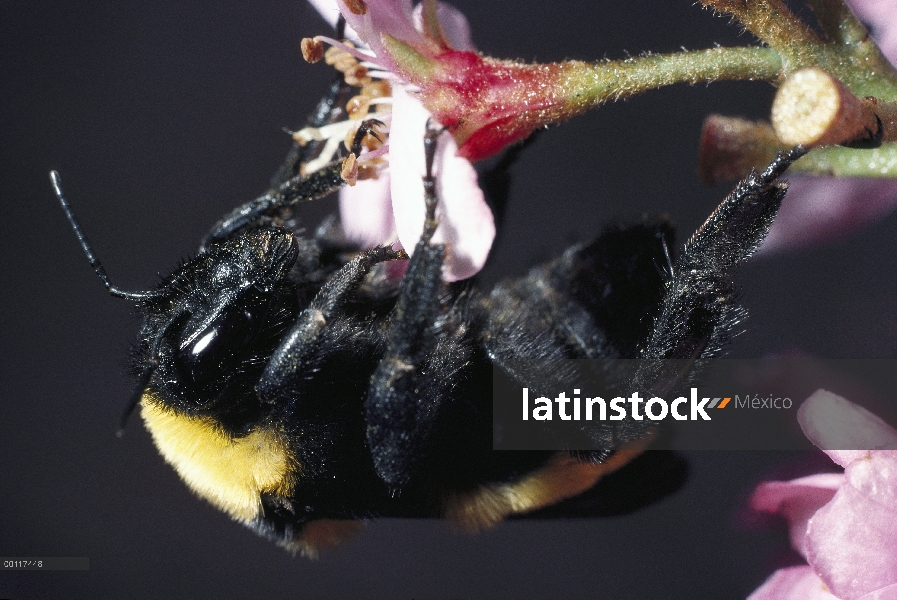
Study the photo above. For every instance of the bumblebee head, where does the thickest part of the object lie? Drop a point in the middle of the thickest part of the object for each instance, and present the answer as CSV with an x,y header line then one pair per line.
x,y
209,326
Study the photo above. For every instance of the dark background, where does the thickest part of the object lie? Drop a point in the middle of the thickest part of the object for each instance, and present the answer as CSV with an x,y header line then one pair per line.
x,y
162,116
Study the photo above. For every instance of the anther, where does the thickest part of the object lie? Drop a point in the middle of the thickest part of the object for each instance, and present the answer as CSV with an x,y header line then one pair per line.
x,y
356,7
349,170
357,107
312,49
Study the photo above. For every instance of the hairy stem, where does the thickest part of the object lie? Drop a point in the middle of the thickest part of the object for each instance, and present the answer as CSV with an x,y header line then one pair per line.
x,y
838,21
771,21
845,162
591,84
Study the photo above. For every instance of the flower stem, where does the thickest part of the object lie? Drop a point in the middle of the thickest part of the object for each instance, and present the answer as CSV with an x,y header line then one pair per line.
x,y
591,84
846,162
837,21
773,22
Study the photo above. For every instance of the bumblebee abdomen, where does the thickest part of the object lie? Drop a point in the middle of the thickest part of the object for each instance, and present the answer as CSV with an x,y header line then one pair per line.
x,y
230,472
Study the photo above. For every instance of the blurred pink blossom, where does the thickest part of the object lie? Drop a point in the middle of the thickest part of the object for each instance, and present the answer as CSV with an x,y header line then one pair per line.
x,y
845,525
377,211
819,208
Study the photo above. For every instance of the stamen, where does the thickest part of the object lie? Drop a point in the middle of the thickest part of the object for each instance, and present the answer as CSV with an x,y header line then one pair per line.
x,y
357,7
347,47
326,155
312,49
316,134
357,107
358,76
349,171
377,89
374,154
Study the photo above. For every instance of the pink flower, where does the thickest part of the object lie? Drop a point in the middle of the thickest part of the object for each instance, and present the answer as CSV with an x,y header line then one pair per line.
x,y
818,208
844,525
486,103
793,583
390,206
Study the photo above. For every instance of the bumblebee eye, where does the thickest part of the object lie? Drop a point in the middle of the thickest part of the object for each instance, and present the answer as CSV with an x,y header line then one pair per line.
x,y
217,348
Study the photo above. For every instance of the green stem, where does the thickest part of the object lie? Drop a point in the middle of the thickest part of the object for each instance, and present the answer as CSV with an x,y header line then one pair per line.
x,y
844,162
838,22
773,22
591,84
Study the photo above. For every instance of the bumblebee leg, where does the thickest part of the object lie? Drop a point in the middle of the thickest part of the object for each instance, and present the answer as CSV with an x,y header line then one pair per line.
x,y
699,313
330,109
291,363
300,188
415,375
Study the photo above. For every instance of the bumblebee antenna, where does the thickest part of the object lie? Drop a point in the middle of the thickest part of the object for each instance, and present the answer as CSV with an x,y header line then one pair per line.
x,y
91,257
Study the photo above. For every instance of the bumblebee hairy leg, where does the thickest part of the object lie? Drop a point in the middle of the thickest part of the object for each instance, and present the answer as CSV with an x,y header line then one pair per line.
x,y
330,109
300,188
294,358
405,396
563,476
699,315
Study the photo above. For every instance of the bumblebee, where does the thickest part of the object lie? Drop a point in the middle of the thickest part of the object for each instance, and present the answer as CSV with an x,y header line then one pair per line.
x,y
294,387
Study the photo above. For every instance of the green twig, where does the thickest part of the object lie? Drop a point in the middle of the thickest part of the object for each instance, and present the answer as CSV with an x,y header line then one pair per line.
x,y
838,22
772,22
846,162
591,84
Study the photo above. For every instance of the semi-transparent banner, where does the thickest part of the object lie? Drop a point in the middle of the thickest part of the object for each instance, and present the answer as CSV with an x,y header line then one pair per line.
x,y
723,404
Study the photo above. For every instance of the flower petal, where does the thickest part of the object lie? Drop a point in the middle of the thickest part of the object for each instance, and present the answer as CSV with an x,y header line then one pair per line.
x,y
328,10
845,431
392,17
879,16
818,208
885,593
852,541
793,583
454,25
365,212
797,500
466,224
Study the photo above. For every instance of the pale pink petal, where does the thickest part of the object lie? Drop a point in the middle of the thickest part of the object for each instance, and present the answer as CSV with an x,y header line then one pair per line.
x,y
393,17
366,212
852,541
885,593
818,208
842,429
454,25
881,17
466,224
328,10
793,583
797,501
875,477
